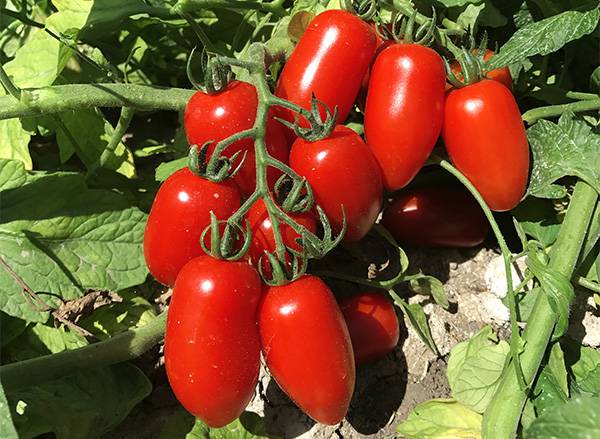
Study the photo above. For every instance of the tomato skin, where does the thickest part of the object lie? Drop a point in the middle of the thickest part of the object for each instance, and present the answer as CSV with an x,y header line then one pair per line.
x,y
501,74
214,117
404,111
330,60
440,216
212,345
307,348
341,170
486,140
361,100
372,324
263,238
179,214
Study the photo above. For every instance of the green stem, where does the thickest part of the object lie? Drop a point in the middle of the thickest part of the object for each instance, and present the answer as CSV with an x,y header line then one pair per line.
x,y
59,98
11,88
535,114
515,340
580,95
274,7
588,284
122,347
405,7
501,418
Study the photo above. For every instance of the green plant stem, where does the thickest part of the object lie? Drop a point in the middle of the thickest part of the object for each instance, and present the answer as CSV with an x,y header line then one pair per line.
x,y
588,284
501,418
59,98
535,114
122,347
515,340
405,7
275,7
11,88
580,95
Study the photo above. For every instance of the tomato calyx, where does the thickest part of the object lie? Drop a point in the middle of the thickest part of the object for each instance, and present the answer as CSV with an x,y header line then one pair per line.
x,y
403,29
365,9
293,195
472,62
217,74
226,245
319,127
218,168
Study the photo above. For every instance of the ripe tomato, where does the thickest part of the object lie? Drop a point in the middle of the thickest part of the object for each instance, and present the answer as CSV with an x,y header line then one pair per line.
x,y
263,239
372,324
486,140
212,345
361,100
341,170
215,117
404,111
179,214
501,74
330,61
307,348
444,216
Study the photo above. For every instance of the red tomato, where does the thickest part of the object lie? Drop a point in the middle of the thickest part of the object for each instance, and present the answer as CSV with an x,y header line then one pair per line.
x,y
404,112
444,216
215,117
361,100
486,140
306,345
341,170
179,214
372,324
330,61
263,239
501,74
212,345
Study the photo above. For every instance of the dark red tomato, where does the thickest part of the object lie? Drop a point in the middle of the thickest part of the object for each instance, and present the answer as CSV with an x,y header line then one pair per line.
x,y
306,345
404,112
215,117
330,61
501,74
372,324
179,214
212,344
486,140
262,233
440,216
341,170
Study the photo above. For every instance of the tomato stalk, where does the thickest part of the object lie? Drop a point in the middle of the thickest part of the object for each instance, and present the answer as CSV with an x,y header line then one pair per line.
x,y
122,347
585,104
501,418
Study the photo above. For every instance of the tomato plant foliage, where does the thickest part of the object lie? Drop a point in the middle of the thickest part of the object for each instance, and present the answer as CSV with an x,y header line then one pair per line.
x,y
93,121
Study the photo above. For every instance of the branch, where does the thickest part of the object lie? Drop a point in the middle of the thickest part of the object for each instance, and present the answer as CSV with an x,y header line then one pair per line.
x,y
534,115
59,98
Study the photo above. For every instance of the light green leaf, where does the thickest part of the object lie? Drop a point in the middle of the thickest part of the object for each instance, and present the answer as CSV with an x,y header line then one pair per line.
x,y
457,3
546,36
551,387
567,148
82,239
587,370
165,169
14,142
248,426
475,367
577,419
429,285
441,419
87,404
87,133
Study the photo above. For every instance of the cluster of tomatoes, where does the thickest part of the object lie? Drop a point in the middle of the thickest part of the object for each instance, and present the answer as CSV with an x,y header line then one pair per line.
x,y
222,315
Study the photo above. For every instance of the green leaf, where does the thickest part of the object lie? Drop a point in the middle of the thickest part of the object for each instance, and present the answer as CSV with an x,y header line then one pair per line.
x,y
577,419
551,387
165,169
546,36
88,134
567,148
10,328
14,142
475,367
248,426
82,239
441,419
587,371
418,321
538,219
557,287
429,285
86,404
7,428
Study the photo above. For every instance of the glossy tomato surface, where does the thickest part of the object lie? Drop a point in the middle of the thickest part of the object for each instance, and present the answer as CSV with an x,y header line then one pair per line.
x,y
263,239
215,117
179,214
404,112
436,216
307,348
501,74
486,140
361,100
372,324
212,345
341,171
330,60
